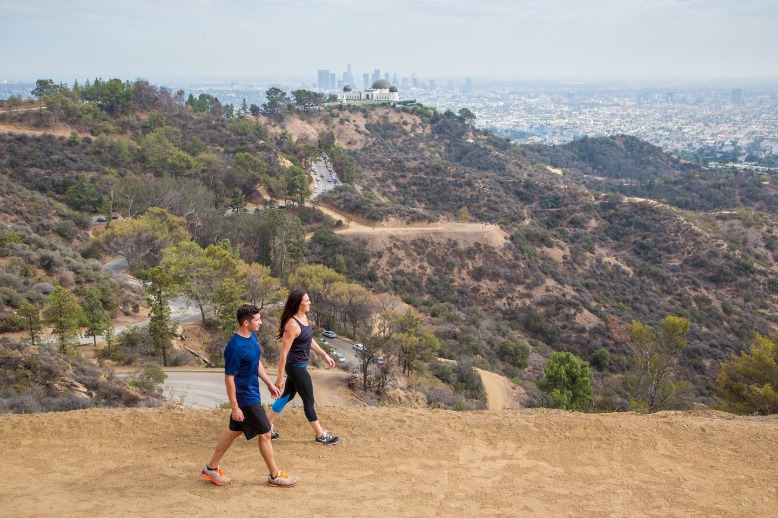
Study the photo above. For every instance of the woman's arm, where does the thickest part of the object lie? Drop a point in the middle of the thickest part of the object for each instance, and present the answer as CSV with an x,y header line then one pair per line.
x,y
291,331
318,350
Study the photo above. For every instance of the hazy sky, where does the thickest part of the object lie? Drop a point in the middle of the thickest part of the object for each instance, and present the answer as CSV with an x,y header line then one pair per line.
x,y
486,39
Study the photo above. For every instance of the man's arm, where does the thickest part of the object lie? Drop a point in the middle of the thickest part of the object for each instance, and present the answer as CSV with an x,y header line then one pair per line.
x,y
274,392
229,382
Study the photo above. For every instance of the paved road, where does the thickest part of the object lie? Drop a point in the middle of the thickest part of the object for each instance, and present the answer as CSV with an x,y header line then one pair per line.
x,y
180,308
345,348
319,168
204,389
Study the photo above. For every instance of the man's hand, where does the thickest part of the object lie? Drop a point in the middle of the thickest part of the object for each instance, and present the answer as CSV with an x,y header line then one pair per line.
x,y
275,392
237,415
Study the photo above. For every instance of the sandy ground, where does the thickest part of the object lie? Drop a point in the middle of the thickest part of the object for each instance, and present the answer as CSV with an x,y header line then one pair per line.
x,y
395,462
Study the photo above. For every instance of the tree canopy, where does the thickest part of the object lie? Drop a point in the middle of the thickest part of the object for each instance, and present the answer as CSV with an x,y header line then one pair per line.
x,y
748,384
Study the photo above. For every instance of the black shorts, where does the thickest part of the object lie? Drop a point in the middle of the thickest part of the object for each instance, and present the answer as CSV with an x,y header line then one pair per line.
x,y
254,423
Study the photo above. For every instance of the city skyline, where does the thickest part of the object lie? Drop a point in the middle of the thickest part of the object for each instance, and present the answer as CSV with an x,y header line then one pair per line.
x,y
491,40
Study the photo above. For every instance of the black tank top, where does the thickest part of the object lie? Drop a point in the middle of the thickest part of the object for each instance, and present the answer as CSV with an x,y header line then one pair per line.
x,y
300,352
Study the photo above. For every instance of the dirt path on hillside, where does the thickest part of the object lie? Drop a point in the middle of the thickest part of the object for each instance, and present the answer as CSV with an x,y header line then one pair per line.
x,y
494,385
60,131
395,462
488,234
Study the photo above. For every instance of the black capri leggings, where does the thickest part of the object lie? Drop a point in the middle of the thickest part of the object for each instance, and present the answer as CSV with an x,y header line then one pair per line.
x,y
298,381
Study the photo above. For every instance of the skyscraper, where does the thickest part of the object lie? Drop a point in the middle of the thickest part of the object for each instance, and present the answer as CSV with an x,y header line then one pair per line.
x,y
324,80
468,85
737,96
349,76
366,79
376,74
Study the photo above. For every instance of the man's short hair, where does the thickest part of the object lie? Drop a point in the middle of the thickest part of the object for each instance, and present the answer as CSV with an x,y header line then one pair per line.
x,y
246,312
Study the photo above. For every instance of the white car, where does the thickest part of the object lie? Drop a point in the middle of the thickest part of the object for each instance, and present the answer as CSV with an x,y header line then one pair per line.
x,y
329,334
359,347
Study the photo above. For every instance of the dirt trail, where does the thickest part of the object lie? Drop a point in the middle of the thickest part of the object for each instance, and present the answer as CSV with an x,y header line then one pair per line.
x,y
394,462
496,395
488,234
59,131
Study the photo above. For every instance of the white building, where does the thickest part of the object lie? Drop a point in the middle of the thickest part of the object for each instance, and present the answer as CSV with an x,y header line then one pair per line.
x,y
382,90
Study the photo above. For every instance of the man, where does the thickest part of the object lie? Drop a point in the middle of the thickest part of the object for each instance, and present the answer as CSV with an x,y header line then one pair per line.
x,y
242,372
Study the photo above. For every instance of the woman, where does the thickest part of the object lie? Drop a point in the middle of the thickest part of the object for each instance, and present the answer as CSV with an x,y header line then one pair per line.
x,y
296,336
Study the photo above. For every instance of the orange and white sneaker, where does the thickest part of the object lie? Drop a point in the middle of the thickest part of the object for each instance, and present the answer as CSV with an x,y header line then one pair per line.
x,y
281,480
214,475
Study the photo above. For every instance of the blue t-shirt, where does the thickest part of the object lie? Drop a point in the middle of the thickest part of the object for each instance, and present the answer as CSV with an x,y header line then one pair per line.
x,y
241,359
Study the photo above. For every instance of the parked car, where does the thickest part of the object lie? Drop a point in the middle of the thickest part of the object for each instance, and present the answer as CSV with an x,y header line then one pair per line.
x,y
340,357
100,220
329,334
380,360
359,347
324,341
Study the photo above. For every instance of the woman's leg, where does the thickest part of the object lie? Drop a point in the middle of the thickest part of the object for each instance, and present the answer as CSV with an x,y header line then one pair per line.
x,y
290,390
304,386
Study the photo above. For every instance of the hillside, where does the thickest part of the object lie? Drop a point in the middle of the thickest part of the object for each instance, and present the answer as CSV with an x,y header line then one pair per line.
x,y
396,462
579,253
550,249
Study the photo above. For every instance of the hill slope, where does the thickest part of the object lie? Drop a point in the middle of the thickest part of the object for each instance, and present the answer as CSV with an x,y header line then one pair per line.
x,y
541,256
400,462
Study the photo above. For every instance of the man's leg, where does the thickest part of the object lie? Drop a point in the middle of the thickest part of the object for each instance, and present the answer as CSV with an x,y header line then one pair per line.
x,y
276,477
211,470
224,443
266,450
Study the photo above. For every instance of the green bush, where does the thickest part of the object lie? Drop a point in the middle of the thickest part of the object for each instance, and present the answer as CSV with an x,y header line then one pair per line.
x,y
149,378
567,381
601,359
514,353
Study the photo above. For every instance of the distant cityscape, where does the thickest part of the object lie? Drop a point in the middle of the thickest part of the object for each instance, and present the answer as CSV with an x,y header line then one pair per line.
x,y
682,118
